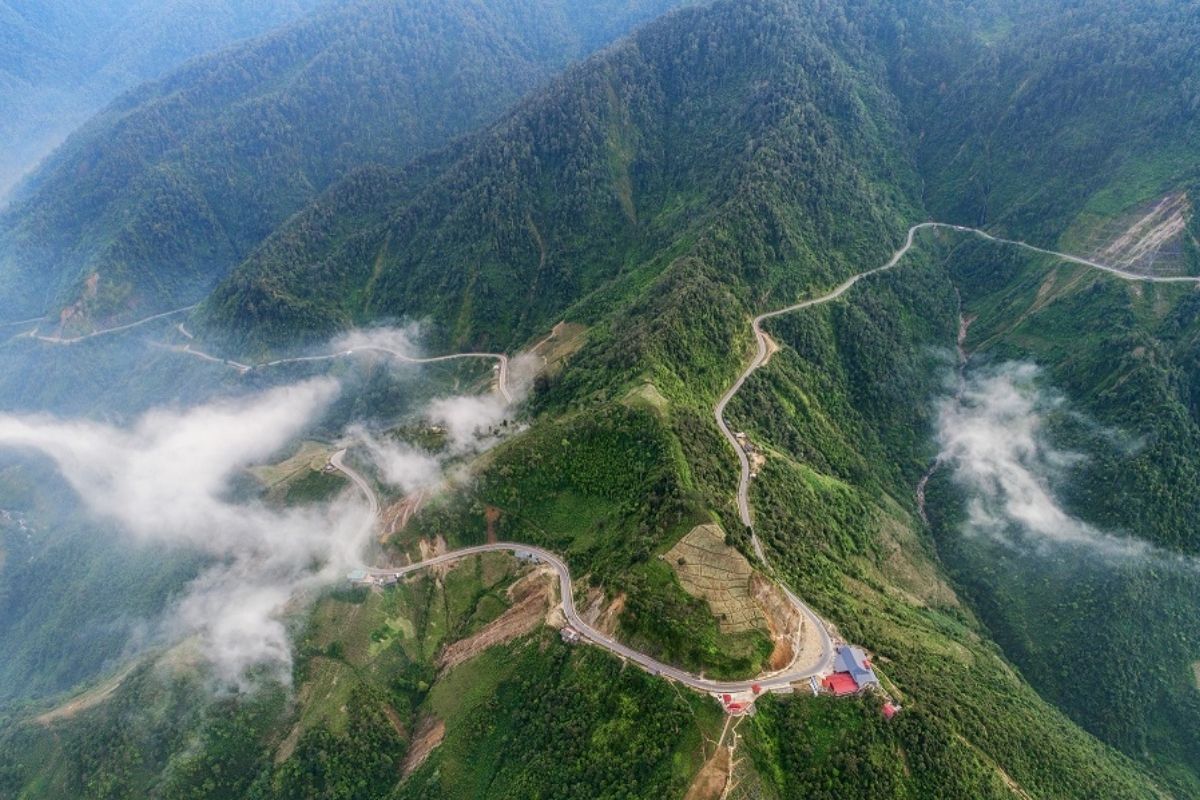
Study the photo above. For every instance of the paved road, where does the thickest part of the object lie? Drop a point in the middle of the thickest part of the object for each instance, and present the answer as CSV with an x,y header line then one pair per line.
x,y
500,358
566,590
337,461
33,334
761,354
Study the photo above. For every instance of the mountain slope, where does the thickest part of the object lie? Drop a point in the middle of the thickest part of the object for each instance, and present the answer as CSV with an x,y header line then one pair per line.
x,y
582,194
725,161
175,182
60,62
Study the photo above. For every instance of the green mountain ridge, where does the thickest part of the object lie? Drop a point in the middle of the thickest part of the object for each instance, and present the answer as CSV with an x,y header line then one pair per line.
x,y
584,192
175,182
729,159
62,61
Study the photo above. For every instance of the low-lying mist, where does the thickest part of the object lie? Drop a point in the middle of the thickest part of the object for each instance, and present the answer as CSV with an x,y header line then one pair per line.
x,y
169,477
994,437
167,480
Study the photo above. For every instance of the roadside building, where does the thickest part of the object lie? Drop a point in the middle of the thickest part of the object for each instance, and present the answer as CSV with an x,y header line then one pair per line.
x,y
569,635
854,661
840,684
852,672
360,577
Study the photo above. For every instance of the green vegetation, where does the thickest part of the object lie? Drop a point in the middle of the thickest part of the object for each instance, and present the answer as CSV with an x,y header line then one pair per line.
x,y
175,183
725,160
529,722
824,749
1072,619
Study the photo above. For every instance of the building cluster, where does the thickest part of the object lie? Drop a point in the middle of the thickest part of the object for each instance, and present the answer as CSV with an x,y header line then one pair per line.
x,y
852,673
360,577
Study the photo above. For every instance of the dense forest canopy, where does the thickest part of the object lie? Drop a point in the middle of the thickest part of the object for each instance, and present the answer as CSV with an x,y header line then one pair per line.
x,y
726,159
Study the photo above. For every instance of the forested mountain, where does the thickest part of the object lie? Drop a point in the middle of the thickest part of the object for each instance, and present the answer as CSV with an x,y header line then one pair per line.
x,y
175,182
585,191
1030,606
61,61
1075,100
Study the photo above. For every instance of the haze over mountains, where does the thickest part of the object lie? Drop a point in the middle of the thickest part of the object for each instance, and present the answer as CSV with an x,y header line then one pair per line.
x,y
177,181
60,62
981,465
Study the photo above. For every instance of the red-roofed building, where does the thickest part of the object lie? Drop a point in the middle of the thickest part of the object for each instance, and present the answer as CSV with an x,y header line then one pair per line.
x,y
889,710
841,684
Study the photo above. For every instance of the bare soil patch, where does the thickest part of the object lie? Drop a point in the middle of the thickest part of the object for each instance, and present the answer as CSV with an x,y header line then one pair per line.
x,y
783,621
395,518
772,348
89,699
1147,240
492,515
711,780
430,733
310,456
601,615
531,599
564,340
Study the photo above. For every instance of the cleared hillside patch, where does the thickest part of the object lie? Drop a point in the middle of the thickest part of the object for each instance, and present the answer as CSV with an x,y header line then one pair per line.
x,y
717,573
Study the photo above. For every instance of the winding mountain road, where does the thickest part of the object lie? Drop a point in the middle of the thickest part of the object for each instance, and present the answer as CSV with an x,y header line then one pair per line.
x,y
763,352
781,679
776,680
33,334
500,358
784,678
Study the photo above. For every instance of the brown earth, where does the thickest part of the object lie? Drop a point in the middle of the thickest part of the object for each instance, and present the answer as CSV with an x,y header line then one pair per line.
x,y
1147,239
602,615
430,733
492,515
711,780
396,517
715,779
564,340
783,621
772,348
394,718
1137,246
531,597
89,699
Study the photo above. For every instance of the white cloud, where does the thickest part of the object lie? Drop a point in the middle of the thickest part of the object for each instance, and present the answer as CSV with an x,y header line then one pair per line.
x,y
995,439
401,341
166,480
400,465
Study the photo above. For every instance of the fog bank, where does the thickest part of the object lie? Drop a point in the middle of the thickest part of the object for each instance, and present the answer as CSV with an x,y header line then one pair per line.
x,y
167,479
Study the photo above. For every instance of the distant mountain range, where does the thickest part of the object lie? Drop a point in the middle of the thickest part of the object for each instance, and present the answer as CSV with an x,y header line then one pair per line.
x,y
176,182
60,62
